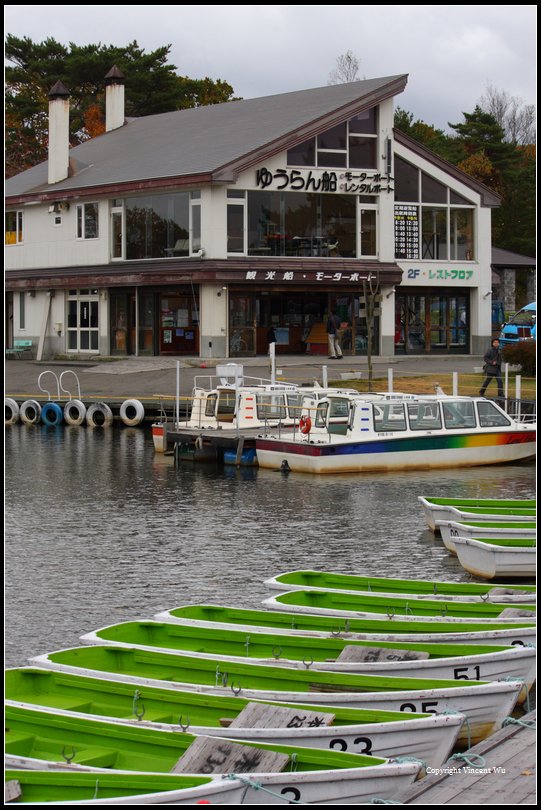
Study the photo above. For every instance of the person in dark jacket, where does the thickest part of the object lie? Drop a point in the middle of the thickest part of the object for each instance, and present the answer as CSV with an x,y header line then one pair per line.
x,y
333,325
493,368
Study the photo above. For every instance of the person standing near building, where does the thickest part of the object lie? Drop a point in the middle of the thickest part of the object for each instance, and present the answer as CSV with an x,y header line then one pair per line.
x,y
492,368
333,325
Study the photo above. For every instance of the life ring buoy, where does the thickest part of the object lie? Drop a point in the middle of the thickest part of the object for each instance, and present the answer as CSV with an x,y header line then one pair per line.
x,y
11,412
52,414
30,412
305,424
99,415
75,412
132,412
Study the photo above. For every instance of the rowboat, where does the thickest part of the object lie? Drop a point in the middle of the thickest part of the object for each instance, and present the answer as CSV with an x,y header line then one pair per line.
x,y
439,508
117,787
500,542
384,432
368,605
463,513
516,633
485,704
489,560
452,528
429,737
305,774
432,589
443,661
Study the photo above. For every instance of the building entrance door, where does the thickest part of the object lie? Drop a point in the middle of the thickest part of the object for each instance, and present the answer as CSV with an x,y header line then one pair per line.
x,y
429,322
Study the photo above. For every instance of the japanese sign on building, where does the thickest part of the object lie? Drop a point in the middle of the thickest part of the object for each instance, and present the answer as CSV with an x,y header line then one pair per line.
x,y
323,180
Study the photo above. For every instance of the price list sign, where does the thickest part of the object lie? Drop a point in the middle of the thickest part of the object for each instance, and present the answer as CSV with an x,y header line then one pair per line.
x,y
406,231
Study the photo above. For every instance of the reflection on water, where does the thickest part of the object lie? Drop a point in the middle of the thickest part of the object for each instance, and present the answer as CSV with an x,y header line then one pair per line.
x,y
99,530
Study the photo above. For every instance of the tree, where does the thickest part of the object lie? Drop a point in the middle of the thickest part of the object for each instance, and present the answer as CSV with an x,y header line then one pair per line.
x,y
346,70
516,118
152,86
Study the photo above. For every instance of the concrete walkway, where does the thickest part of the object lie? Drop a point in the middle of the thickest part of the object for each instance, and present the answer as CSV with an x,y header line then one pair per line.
x,y
149,376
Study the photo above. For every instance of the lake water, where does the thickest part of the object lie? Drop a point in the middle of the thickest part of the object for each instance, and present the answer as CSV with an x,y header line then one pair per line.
x,y
100,529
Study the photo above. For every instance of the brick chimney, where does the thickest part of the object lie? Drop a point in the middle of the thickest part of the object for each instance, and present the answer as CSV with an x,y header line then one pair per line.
x,y
114,99
59,113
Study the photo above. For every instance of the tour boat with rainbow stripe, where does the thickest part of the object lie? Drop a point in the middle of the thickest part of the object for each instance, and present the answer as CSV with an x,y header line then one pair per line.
x,y
384,432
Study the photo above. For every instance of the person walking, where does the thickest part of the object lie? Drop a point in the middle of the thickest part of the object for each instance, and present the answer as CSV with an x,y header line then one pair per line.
x,y
492,368
333,325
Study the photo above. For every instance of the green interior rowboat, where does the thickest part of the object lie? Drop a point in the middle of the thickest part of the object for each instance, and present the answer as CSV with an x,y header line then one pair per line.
x,y
503,503
375,629
58,787
337,603
329,580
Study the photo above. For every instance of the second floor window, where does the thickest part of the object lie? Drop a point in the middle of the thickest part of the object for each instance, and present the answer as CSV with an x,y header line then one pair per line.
x,y
87,221
14,227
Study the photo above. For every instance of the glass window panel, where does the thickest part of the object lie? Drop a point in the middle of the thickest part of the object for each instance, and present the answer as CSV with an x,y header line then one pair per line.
x,y
364,122
368,232
432,191
300,218
22,310
72,314
339,225
321,414
235,194
490,416
462,241
456,199
332,159
196,228
265,234
157,226
14,227
458,415
91,221
116,225
235,228
94,314
362,153
389,417
210,405
79,222
84,341
72,340
84,314
94,340
406,181
334,138
424,416
434,233
304,154
271,406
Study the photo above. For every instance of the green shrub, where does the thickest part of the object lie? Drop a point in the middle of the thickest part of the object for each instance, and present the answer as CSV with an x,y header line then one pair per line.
x,y
523,354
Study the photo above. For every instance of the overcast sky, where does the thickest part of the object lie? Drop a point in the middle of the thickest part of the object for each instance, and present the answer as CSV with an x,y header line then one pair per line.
x,y
451,53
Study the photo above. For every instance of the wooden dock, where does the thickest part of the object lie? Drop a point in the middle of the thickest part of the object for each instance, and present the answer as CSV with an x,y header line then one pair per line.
x,y
506,774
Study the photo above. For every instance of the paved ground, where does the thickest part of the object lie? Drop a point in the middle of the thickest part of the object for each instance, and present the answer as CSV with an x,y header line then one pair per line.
x,y
143,377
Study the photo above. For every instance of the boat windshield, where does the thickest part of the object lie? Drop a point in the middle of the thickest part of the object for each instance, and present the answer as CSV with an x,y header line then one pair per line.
x,y
271,406
389,416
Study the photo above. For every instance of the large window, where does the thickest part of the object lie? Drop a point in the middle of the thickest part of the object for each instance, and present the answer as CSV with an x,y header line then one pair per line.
x,y
351,144
298,224
14,227
432,222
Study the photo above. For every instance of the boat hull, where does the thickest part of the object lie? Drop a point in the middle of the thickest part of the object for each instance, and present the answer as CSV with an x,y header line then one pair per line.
x,y
449,529
490,562
397,454
460,513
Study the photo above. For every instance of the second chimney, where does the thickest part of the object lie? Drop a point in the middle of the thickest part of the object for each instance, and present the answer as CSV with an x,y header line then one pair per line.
x,y
114,99
59,116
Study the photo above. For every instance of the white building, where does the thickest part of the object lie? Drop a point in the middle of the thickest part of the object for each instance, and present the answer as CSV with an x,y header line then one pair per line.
x,y
194,232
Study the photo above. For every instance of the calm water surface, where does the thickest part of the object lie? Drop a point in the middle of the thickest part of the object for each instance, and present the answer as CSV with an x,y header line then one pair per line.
x,y
99,529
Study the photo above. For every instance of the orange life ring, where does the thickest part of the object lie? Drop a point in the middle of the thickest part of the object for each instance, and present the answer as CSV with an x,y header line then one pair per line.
x,y
305,424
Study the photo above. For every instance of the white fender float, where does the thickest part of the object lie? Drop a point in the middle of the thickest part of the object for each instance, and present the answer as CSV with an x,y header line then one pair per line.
x,y
132,412
75,412
30,412
11,411
52,414
99,415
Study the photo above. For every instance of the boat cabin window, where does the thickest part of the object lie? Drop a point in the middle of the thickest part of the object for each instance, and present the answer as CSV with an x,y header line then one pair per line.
x,y
225,410
321,414
424,416
389,416
210,405
339,415
271,406
491,416
458,415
